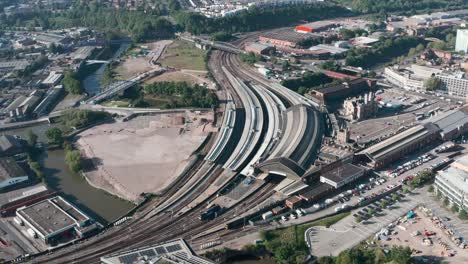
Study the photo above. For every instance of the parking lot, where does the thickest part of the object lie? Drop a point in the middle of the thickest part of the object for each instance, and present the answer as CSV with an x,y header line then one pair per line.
x,y
427,240
14,242
347,233
389,122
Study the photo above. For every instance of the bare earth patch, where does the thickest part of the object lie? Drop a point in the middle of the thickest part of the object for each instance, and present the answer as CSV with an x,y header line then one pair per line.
x,y
144,154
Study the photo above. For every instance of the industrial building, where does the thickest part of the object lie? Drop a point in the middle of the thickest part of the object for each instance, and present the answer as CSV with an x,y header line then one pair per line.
x,y
340,91
363,41
393,148
315,26
14,65
332,49
259,48
12,200
48,39
11,174
285,38
22,106
461,43
54,220
452,124
10,145
452,182
341,175
174,251
53,79
49,101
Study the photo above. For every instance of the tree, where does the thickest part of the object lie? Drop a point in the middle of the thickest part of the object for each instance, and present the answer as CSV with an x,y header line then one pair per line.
x,y
431,188
432,84
455,208
446,201
31,138
358,219
438,195
71,84
405,190
73,159
463,214
395,197
55,136
370,212
383,204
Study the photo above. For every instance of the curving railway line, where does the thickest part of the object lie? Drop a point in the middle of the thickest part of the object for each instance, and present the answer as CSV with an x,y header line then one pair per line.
x,y
255,108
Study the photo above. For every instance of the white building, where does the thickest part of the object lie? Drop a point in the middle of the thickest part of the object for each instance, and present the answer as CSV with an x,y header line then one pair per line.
x,y
453,182
455,85
462,40
402,79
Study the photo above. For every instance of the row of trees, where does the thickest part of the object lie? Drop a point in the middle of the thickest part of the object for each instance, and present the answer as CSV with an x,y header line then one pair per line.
x,y
309,81
382,51
138,24
400,255
373,6
257,19
82,118
186,95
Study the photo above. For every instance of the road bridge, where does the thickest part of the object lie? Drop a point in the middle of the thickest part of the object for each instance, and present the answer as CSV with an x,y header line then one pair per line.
x,y
90,62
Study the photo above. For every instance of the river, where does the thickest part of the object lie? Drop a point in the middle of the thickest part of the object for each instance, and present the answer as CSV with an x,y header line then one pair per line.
x,y
92,83
96,203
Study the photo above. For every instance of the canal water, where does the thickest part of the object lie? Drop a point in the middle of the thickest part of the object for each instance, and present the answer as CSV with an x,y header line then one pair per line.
x,y
96,203
92,83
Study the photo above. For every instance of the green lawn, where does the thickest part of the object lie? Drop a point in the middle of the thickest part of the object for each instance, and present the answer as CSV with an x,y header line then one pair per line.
x,y
288,245
184,55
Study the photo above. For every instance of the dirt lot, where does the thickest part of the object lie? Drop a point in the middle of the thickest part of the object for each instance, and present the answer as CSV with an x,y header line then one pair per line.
x,y
144,154
141,59
175,76
433,252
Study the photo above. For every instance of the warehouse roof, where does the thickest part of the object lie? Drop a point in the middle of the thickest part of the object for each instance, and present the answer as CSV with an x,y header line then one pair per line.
x,y
52,215
286,35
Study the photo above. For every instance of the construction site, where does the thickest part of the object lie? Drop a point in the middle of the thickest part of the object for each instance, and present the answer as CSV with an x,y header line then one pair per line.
x,y
144,154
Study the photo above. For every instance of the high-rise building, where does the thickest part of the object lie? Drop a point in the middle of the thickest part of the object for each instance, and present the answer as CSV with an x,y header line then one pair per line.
x,y
462,40
453,182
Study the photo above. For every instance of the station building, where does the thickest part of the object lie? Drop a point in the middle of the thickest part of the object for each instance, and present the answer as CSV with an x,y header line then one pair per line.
x,y
452,124
393,148
343,90
342,175
54,219
174,251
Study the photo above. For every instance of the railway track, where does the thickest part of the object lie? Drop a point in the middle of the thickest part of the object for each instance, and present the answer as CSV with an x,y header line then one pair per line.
x,y
160,227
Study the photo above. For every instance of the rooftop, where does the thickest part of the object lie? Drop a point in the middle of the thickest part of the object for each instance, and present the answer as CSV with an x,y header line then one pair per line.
x,y
52,215
399,140
456,176
9,142
286,35
342,172
175,251
10,169
450,120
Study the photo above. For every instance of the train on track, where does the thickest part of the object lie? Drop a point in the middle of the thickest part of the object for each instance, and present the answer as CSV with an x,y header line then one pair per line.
x,y
211,213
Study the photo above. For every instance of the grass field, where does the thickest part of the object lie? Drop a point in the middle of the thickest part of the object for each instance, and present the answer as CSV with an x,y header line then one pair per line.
x,y
184,55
